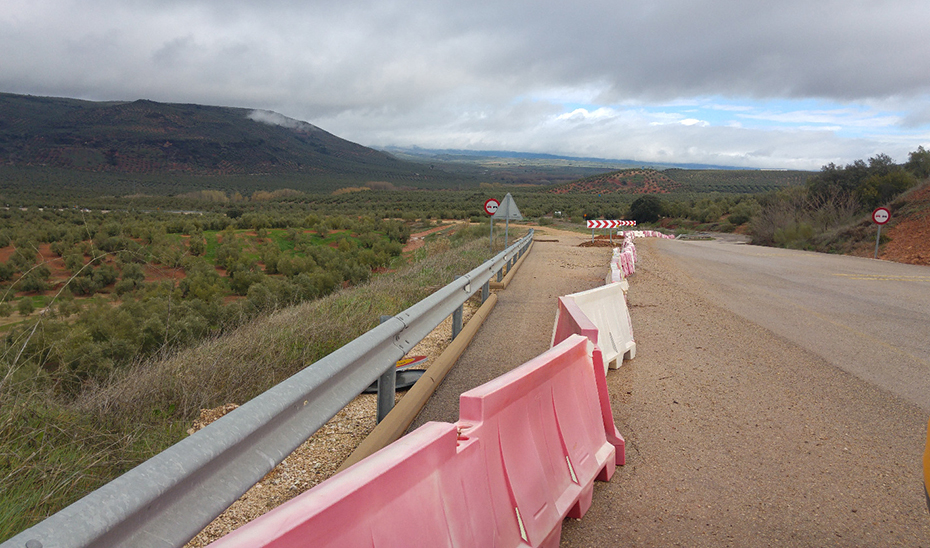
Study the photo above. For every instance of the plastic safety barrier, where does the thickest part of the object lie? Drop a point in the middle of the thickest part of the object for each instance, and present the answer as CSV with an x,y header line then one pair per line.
x,y
605,308
523,456
646,234
623,261
616,276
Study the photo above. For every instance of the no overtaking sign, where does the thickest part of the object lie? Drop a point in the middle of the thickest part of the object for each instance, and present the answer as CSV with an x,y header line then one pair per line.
x,y
880,216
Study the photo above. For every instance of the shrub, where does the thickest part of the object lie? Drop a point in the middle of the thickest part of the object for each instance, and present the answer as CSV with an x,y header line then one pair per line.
x,y
25,306
647,209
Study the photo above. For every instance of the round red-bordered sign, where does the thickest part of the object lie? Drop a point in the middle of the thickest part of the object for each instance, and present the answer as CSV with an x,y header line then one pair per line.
x,y
881,215
490,206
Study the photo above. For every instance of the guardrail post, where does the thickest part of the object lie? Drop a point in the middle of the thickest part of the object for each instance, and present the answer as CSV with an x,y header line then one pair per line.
x,y
457,315
500,274
387,387
457,321
485,291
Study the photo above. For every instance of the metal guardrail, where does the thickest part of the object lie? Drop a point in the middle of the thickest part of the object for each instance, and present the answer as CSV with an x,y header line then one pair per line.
x,y
170,498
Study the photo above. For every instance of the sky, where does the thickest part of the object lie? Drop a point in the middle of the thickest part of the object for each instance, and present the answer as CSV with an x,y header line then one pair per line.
x,y
785,84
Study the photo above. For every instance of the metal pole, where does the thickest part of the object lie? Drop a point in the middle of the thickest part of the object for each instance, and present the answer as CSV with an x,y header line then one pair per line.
x,y
387,386
491,239
878,237
506,233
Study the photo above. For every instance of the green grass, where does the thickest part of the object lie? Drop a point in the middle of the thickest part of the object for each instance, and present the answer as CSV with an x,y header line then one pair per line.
x,y
212,244
279,237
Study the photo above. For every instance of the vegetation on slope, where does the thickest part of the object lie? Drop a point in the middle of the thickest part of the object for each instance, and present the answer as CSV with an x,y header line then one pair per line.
x,y
672,181
630,181
55,446
818,216
829,213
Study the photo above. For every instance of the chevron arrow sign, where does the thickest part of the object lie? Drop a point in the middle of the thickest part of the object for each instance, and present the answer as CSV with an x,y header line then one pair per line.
x,y
609,224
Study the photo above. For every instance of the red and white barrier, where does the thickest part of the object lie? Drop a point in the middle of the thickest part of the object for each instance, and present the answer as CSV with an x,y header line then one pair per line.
x,y
604,308
523,456
646,234
623,262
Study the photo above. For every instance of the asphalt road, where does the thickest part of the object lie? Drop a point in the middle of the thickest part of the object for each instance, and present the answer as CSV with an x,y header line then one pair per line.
x,y
869,318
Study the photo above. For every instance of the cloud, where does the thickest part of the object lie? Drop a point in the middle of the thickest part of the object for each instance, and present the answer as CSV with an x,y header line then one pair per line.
x,y
275,119
693,122
470,73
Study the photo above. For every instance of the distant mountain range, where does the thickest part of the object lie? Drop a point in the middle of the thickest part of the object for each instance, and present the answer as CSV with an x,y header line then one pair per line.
x,y
148,137
481,156
173,147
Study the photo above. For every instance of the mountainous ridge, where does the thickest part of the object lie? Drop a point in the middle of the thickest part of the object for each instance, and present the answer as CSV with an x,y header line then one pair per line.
x,y
166,148
149,137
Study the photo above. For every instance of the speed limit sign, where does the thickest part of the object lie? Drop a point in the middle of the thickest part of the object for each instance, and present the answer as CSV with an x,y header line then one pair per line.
x,y
490,206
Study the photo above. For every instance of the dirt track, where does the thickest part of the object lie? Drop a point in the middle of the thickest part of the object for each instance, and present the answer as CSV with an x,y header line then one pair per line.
x,y
735,437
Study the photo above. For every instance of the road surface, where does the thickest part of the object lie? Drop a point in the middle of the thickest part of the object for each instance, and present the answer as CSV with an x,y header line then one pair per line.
x,y
869,318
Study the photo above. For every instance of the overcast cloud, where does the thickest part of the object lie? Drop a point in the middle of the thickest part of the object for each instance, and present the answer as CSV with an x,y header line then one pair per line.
x,y
786,83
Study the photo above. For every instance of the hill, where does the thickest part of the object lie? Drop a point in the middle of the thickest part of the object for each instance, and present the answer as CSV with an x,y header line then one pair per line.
x,y
629,181
676,180
146,137
736,180
528,168
906,239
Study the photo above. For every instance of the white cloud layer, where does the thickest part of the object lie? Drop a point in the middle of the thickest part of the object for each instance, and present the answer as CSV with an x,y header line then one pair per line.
x,y
778,84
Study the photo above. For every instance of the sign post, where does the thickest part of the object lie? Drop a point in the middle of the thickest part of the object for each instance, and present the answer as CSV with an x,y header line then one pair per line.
x,y
880,216
490,207
508,211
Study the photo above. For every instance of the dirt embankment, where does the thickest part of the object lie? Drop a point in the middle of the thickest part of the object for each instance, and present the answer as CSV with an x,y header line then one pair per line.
x,y
910,235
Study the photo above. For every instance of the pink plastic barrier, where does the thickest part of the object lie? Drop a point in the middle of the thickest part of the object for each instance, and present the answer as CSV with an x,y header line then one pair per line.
x,y
628,263
523,456
571,321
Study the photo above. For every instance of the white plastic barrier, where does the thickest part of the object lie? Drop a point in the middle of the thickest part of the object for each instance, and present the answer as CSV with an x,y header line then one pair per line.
x,y
605,307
